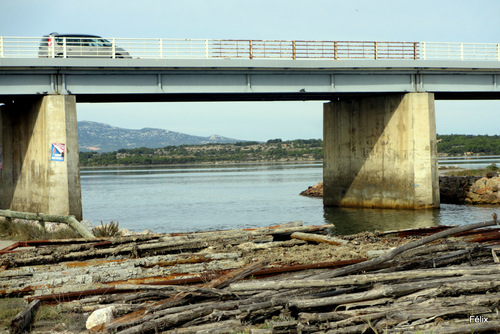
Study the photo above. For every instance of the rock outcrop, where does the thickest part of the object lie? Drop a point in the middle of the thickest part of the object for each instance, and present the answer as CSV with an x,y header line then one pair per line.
x,y
453,189
314,191
486,190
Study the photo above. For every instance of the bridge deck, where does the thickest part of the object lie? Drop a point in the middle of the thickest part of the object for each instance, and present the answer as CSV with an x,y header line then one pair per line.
x,y
121,80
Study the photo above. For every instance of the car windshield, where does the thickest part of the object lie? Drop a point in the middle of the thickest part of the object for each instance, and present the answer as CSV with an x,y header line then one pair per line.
x,y
95,42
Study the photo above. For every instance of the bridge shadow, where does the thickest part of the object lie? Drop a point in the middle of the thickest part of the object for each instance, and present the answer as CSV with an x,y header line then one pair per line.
x,y
18,121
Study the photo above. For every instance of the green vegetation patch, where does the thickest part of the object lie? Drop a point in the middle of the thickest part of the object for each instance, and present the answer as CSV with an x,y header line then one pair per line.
x,y
461,144
272,150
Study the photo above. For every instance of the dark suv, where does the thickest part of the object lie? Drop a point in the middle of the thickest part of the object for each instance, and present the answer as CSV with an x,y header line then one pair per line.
x,y
78,45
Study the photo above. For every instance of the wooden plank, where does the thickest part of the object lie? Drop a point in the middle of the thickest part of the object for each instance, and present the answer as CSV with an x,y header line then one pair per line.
x,y
24,318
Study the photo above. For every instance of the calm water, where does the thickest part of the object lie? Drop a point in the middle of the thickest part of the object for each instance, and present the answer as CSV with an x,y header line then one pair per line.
x,y
208,197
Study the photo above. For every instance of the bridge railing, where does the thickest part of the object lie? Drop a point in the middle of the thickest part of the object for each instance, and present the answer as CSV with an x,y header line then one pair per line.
x,y
460,51
161,48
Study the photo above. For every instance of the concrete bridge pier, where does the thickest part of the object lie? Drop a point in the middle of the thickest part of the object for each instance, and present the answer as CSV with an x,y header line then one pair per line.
x,y
380,152
40,161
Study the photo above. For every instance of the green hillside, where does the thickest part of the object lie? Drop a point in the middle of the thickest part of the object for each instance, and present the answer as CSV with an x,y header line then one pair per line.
x,y
272,150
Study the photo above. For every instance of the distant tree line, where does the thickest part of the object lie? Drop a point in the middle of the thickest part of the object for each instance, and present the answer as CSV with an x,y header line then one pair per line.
x,y
468,144
272,150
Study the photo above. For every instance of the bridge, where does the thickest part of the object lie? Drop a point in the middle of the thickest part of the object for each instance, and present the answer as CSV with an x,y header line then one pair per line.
x,y
379,126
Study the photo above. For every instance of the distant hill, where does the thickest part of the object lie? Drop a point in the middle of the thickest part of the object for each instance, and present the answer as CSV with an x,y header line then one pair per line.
x,y
100,137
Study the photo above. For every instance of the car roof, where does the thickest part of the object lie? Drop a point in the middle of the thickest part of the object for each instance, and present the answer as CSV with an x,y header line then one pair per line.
x,y
74,35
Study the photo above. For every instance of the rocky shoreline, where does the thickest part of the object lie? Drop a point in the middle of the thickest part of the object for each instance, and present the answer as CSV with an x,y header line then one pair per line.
x,y
453,189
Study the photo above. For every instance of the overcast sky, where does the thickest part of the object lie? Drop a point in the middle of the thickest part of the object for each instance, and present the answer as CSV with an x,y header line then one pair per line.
x,y
474,21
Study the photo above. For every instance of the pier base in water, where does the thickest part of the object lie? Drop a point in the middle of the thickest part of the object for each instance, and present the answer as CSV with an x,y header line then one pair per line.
x,y
381,152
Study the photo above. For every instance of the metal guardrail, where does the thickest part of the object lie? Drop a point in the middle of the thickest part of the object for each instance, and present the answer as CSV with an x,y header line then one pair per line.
x,y
461,51
161,48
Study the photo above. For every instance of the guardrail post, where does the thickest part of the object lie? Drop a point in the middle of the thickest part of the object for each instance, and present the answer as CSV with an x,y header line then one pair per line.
x,y
113,48
52,46
294,50
65,50
415,50
250,43
335,50
375,50
161,47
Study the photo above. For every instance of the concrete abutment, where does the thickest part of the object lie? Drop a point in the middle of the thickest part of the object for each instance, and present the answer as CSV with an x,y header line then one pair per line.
x,y
381,152
40,160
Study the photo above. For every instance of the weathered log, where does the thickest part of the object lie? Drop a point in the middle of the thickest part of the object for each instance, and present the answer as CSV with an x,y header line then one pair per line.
x,y
170,320
252,246
412,314
446,259
225,280
227,326
202,291
252,233
364,279
452,327
207,288
373,263
318,238
69,220
450,284
400,305
24,318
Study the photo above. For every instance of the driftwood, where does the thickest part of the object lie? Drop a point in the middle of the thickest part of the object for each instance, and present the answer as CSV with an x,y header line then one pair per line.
x,y
24,318
409,288
370,264
364,279
69,220
220,327
318,238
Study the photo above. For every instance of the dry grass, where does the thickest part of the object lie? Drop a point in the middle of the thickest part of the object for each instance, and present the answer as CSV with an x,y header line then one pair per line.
x,y
109,230
47,318
12,230
9,307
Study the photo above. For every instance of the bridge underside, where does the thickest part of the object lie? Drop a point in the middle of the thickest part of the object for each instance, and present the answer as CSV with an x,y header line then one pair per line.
x,y
238,97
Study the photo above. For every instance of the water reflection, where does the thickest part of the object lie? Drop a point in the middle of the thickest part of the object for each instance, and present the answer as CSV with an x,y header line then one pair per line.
x,y
354,220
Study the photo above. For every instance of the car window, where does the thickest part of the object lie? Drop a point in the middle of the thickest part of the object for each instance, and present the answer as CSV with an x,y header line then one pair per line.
x,y
74,42
103,42
90,42
69,41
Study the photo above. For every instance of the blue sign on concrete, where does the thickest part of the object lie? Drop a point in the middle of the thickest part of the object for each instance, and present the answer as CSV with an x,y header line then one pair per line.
x,y
57,152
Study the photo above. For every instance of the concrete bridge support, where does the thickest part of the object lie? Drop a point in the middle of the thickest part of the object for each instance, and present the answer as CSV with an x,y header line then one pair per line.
x,y
381,152
40,163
